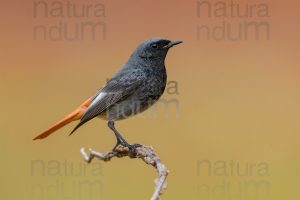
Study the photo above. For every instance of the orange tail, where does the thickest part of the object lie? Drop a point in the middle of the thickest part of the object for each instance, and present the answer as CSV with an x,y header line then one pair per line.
x,y
75,115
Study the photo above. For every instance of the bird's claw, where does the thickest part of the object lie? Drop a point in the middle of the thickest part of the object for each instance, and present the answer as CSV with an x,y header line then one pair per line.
x,y
131,149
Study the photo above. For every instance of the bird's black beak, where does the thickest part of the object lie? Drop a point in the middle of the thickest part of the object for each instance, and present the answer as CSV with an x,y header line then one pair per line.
x,y
172,43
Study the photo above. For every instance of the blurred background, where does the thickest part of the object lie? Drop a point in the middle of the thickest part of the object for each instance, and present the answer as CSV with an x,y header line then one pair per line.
x,y
229,129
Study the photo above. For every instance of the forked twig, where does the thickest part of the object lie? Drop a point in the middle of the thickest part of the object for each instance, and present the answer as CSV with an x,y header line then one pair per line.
x,y
145,153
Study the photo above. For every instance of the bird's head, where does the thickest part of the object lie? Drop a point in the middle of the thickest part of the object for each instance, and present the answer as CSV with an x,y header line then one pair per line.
x,y
155,48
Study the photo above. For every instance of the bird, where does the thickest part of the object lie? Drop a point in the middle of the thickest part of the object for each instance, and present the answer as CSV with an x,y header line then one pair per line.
x,y
134,88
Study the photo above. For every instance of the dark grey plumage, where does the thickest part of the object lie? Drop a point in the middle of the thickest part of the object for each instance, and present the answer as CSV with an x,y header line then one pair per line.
x,y
135,87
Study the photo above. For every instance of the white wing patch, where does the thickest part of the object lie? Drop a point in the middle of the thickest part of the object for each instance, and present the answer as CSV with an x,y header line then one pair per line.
x,y
98,98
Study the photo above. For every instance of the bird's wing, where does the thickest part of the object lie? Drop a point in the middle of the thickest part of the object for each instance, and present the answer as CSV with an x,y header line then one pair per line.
x,y
114,91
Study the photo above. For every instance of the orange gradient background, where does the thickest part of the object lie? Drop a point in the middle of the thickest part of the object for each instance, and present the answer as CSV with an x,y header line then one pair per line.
x,y
239,101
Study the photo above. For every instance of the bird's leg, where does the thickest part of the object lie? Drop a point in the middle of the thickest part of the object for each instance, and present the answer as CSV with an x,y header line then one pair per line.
x,y
122,141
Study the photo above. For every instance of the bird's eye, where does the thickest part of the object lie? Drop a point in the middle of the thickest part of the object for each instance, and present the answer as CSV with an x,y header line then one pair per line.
x,y
154,46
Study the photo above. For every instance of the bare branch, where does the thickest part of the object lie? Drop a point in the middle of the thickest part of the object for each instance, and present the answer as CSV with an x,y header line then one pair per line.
x,y
145,153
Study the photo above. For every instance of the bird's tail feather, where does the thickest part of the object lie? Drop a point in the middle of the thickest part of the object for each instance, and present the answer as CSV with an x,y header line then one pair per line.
x,y
75,115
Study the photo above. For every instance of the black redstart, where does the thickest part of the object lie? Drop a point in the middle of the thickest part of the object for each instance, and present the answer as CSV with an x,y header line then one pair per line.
x,y
133,89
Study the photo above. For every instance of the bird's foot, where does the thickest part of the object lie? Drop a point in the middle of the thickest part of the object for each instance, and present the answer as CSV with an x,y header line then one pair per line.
x,y
126,148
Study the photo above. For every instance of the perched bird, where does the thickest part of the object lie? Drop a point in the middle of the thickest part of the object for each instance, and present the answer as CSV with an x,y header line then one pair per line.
x,y
133,89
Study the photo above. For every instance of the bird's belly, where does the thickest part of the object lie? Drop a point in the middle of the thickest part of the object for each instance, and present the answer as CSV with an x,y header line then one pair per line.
x,y
126,108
